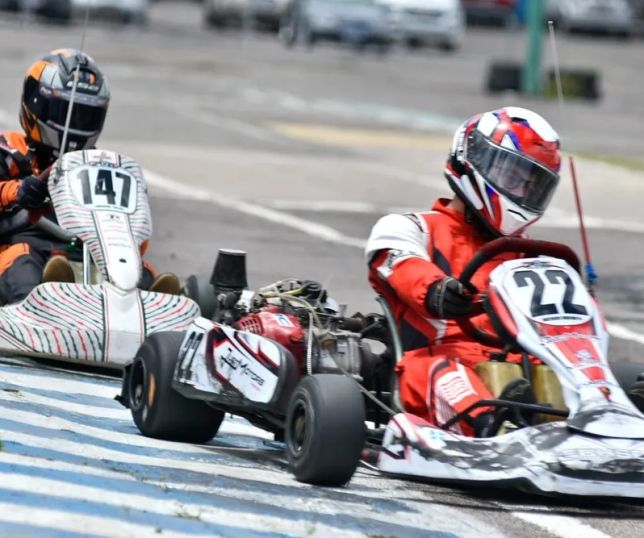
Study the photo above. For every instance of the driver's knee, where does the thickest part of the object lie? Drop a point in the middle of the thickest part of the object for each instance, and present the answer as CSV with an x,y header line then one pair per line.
x,y
20,272
413,380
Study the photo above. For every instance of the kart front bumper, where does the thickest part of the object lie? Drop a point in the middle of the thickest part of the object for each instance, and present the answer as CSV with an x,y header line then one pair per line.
x,y
549,458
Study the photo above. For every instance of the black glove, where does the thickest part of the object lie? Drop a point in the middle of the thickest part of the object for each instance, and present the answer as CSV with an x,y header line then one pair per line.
x,y
447,298
32,192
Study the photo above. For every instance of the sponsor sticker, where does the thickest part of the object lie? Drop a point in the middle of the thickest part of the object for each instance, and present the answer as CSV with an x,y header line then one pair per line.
x,y
283,320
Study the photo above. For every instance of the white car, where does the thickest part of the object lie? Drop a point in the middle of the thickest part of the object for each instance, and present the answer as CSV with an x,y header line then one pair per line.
x,y
606,16
358,22
220,13
60,10
124,10
419,22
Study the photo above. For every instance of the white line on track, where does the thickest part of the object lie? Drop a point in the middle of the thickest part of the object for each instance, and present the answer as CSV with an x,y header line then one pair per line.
x,y
314,229
554,218
167,507
75,523
619,331
100,472
72,407
563,526
65,386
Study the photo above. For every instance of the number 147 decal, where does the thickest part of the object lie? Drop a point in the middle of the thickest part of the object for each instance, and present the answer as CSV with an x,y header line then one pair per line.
x,y
105,187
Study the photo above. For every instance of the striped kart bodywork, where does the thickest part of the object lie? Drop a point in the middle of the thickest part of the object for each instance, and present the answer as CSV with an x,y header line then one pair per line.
x,y
90,323
106,229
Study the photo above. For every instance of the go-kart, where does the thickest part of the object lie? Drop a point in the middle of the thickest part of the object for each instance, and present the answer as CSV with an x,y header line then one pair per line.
x,y
282,357
103,216
290,363
591,442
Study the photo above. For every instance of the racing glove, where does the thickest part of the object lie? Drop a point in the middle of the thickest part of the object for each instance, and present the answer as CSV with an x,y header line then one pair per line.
x,y
32,192
447,299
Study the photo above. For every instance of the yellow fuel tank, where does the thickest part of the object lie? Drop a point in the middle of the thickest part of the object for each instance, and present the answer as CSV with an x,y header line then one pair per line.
x,y
496,375
547,389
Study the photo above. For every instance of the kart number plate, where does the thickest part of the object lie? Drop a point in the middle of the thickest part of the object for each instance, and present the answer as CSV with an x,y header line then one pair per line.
x,y
111,189
549,294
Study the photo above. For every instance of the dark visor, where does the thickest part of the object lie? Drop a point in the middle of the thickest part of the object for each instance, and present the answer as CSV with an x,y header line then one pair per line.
x,y
525,182
86,117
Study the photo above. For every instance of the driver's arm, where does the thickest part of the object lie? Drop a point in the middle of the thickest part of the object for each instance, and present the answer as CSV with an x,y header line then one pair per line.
x,y
9,171
9,189
397,254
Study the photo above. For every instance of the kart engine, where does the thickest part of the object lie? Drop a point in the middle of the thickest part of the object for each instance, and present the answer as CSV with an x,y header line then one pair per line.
x,y
332,350
272,323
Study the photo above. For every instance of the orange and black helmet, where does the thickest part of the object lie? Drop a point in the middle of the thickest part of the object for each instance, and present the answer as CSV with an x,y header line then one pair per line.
x,y
46,96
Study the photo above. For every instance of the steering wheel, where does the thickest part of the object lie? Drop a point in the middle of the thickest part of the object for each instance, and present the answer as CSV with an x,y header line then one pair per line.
x,y
518,245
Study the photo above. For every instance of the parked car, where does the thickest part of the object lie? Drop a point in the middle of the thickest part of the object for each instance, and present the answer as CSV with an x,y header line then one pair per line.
x,y
60,10
501,12
420,22
134,11
221,13
359,22
605,16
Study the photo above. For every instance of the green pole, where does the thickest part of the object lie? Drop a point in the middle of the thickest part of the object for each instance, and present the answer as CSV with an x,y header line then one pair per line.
x,y
531,79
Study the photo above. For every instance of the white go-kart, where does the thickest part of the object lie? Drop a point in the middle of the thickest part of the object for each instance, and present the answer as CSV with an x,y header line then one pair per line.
x,y
583,436
101,205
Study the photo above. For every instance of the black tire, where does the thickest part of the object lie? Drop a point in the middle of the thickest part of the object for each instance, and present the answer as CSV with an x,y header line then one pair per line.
x,y
201,291
214,20
325,429
448,46
383,49
157,409
627,373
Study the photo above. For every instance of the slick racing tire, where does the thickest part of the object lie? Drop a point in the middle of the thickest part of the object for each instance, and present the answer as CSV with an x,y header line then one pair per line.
x,y
201,291
157,409
325,429
627,374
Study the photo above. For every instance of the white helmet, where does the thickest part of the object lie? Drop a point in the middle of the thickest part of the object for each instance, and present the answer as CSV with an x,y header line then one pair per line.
x,y
505,166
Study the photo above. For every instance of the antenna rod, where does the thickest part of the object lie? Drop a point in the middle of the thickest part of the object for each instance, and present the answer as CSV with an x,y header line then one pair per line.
x,y
591,275
63,145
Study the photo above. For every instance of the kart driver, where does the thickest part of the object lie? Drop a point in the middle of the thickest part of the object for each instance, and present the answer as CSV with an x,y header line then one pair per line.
x,y
28,255
503,168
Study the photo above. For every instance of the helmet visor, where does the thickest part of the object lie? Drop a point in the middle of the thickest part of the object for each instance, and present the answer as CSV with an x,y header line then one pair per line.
x,y
524,181
85,118
88,112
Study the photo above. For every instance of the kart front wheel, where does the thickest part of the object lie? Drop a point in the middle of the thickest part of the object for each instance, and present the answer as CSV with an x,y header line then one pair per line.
x,y
201,291
325,430
157,409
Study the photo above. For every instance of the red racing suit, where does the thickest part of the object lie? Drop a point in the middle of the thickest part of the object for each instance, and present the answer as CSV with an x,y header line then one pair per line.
x,y
25,249
407,253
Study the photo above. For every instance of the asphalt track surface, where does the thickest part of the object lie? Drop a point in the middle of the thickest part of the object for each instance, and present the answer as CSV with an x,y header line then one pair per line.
x,y
292,156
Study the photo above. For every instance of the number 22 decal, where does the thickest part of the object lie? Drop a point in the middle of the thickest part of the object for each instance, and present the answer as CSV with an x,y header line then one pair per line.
x,y
553,276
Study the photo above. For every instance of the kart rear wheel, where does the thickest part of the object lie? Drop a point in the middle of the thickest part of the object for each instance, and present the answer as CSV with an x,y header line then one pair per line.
x,y
157,409
201,291
627,373
325,430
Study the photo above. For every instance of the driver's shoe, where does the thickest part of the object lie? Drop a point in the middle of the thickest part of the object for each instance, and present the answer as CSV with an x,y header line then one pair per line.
x,y
518,390
58,269
166,283
485,425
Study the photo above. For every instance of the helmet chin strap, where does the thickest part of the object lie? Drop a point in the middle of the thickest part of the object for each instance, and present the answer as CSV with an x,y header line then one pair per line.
x,y
472,214
482,226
